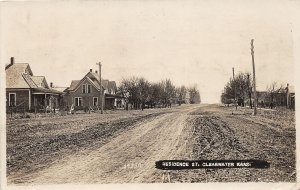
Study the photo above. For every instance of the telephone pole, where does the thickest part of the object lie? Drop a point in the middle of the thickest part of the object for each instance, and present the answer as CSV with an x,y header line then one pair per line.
x,y
249,89
235,102
254,80
101,90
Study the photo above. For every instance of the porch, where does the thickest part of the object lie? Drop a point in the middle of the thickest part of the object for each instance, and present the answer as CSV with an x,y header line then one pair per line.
x,y
46,100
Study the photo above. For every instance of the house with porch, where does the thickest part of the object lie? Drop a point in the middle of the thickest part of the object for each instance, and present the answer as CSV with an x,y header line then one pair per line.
x,y
85,94
285,97
26,92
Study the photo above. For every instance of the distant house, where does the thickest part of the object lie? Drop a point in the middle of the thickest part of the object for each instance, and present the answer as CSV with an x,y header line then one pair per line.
x,y
264,99
290,96
286,97
85,93
26,92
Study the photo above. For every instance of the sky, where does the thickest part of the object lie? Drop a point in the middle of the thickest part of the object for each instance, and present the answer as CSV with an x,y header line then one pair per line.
x,y
190,42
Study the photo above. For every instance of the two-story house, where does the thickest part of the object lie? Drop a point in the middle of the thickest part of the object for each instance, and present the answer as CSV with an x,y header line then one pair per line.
x,y
26,92
86,93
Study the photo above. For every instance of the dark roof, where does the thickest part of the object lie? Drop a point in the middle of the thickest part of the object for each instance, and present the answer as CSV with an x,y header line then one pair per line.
x,y
105,84
45,90
112,85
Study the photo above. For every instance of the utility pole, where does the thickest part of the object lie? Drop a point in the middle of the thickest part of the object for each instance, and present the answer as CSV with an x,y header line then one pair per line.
x,y
235,102
249,89
101,90
254,80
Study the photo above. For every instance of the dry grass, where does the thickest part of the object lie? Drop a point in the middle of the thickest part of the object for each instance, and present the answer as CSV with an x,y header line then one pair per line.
x,y
33,144
223,133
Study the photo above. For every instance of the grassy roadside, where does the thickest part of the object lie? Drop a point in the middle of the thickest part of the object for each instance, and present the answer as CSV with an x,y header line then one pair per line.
x,y
270,136
35,144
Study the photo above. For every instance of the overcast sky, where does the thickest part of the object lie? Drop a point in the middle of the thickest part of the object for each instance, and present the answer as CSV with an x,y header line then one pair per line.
x,y
193,42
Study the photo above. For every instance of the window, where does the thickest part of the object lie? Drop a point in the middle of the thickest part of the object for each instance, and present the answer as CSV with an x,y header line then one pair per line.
x,y
95,101
78,101
12,99
83,89
88,88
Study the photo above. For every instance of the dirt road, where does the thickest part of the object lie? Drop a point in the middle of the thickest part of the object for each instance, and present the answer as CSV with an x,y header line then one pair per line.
x,y
129,153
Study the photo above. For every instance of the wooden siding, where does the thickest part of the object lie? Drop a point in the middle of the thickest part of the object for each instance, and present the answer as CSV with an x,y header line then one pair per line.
x,y
87,98
22,99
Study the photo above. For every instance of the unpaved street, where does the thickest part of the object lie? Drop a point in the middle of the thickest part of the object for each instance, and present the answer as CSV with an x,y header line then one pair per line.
x,y
124,148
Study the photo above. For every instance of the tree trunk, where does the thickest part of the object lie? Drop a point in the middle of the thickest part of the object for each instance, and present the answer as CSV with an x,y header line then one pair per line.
x,y
250,100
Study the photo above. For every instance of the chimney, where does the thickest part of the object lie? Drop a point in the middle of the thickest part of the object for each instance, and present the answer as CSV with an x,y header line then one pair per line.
x,y
12,60
91,70
51,84
96,71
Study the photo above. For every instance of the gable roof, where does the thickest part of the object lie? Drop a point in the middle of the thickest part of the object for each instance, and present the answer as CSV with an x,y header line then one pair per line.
x,y
19,68
30,82
40,81
93,78
105,84
74,84
18,76
112,85
93,75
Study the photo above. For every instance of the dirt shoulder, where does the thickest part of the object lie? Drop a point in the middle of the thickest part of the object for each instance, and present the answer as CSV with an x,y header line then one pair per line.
x,y
123,148
224,133
127,157
35,144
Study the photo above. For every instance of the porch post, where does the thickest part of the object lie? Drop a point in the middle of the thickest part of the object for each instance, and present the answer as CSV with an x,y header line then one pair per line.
x,y
29,102
34,104
45,102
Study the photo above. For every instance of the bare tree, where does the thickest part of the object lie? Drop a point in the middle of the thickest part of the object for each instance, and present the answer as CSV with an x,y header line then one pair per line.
x,y
139,92
272,90
129,89
181,94
194,95
240,87
168,92
143,87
